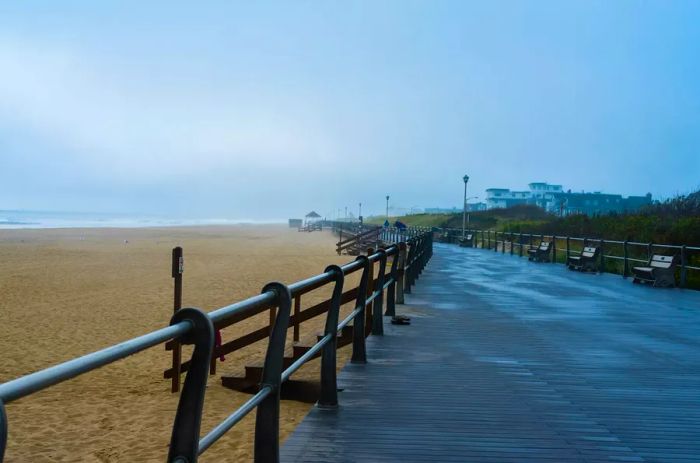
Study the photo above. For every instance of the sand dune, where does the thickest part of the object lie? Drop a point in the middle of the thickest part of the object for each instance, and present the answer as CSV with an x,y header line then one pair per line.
x,y
68,292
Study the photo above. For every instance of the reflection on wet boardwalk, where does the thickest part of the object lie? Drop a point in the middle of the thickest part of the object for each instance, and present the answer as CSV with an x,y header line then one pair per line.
x,y
512,361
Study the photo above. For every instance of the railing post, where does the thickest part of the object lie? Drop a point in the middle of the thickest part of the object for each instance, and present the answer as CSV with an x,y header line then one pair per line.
x,y
177,270
3,431
520,244
329,384
400,272
359,353
602,256
267,420
625,268
184,440
409,265
369,308
378,309
512,241
650,250
503,242
391,289
488,234
684,270
568,248
554,249
297,310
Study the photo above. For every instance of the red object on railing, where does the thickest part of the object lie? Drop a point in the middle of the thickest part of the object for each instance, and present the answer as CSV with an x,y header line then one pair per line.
x,y
218,342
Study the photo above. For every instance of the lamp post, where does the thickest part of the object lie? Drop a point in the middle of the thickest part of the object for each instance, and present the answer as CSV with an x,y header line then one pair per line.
x,y
464,211
387,207
346,213
359,215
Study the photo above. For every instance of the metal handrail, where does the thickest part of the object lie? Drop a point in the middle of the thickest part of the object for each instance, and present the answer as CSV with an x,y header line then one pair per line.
x,y
517,240
192,326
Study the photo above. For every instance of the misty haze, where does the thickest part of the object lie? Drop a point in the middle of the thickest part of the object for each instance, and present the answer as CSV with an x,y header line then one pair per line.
x,y
447,231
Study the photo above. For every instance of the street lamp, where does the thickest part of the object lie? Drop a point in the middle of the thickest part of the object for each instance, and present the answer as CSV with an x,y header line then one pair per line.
x,y
464,211
387,207
359,215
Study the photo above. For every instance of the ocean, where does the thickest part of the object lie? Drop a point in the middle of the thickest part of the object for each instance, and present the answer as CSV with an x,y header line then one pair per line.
x,y
14,219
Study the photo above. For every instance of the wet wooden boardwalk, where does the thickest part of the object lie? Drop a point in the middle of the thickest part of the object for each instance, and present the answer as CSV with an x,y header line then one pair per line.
x,y
512,361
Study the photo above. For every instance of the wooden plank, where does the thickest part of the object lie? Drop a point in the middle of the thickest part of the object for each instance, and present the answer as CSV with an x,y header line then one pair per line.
x,y
536,365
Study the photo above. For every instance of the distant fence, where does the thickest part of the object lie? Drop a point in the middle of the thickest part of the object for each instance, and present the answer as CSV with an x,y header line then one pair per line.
x,y
194,327
615,256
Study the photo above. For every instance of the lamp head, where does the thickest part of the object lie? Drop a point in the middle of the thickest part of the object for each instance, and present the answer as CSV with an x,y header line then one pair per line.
x,y
465,178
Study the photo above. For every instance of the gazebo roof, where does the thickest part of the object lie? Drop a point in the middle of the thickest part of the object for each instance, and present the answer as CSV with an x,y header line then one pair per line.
x,y
313,215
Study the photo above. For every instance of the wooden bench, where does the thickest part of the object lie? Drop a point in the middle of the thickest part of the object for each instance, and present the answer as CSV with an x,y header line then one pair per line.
x,y
467,241
586,262
659,271
541,252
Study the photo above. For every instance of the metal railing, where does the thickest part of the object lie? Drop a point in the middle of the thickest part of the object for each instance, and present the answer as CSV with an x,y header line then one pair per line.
x,y
615,256
193,327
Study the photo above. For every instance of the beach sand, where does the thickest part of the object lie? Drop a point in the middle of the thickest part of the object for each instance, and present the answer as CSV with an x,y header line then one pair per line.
x,y
68,292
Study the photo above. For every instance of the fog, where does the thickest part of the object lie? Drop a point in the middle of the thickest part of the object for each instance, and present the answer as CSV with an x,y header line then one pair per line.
x,y
271,110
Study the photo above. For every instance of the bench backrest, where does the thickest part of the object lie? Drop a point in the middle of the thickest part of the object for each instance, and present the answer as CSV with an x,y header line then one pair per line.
x,y
659,261
589,251
544,246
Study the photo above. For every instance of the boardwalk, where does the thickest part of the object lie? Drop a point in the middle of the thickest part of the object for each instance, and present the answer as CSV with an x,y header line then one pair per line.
x,y
511,361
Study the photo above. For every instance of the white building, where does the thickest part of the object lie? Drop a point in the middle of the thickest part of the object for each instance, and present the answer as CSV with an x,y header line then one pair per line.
x,y
540,194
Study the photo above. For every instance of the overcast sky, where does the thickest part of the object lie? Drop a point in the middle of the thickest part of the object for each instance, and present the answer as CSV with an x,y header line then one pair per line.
x,y
268,110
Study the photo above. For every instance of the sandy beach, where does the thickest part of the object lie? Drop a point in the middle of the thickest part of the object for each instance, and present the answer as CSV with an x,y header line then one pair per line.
x,y
68,292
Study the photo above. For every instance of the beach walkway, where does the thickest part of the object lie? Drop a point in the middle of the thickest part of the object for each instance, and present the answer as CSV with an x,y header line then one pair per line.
x,y
512,361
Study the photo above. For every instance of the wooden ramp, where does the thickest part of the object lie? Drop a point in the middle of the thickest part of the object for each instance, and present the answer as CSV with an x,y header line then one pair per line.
x,y
513,361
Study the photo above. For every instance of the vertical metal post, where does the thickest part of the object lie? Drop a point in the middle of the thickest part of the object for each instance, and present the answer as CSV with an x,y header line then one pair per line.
x,y
391,289
568,248
359,353
602,256
378,308
369,309
520,245
409,266
625,268
400,272
554,249
297,311
503,242
650,250
3,431
329,385
184,440
684,270
267,420
512,243
177,270
488,234
464,207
